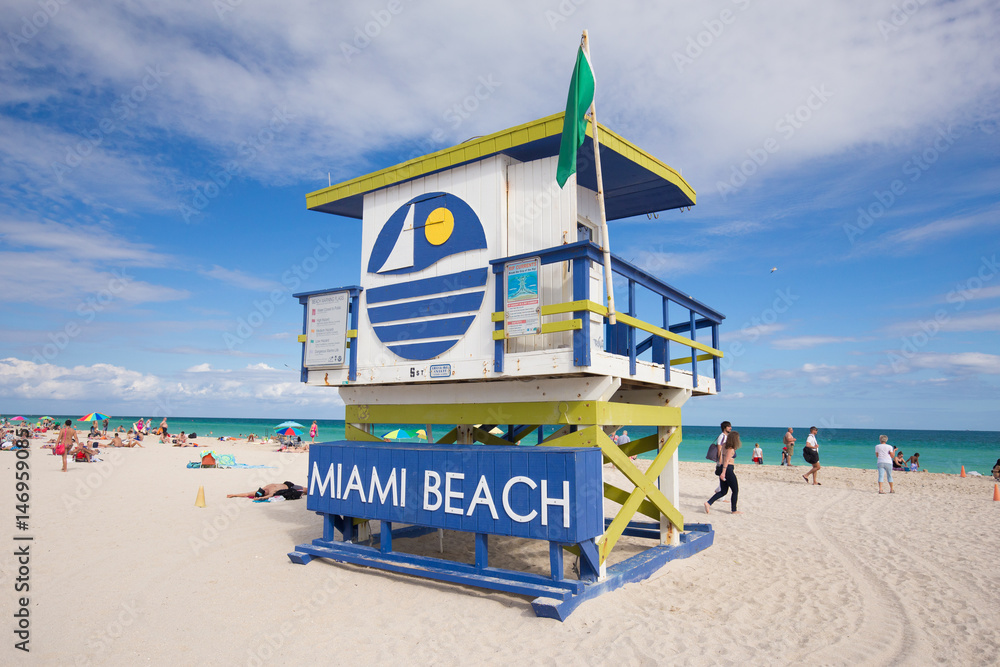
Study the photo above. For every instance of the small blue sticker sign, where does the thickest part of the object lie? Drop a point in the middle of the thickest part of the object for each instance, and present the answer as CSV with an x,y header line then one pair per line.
x,y
440,370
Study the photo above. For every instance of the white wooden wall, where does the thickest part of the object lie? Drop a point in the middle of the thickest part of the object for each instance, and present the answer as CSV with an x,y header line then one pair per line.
x,y
541,215
482,185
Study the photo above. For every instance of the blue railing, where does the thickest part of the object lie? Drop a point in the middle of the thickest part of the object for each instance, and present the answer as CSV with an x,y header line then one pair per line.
x,y
620,338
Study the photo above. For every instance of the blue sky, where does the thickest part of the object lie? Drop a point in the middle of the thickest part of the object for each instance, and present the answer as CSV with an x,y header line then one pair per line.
x,y
154,158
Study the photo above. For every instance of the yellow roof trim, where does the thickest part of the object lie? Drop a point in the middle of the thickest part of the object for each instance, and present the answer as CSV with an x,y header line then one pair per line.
x,y
487,146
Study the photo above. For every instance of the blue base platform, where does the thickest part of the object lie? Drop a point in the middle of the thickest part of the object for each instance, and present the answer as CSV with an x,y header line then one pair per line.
x,y
556,597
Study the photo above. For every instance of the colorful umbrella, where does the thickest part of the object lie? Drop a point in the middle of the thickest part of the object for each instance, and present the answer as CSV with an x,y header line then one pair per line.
x,y
19,418
288,431
93,417
422,434
395,435
287,424
46,417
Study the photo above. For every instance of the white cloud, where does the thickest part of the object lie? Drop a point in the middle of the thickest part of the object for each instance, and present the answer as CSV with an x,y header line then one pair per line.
x,y
237,278
960,362
735,228
806,342
117,389
751,333
668,263
947,322
222,77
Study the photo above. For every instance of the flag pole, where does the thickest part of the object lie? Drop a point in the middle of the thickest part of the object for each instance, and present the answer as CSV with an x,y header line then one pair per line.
x,y
605,239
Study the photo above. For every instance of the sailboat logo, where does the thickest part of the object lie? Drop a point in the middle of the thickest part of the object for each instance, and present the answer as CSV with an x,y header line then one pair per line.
x,y
423,318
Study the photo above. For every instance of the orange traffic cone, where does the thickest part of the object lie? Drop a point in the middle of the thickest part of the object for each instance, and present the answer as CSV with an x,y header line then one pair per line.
x,y
996,492
962,474
200,500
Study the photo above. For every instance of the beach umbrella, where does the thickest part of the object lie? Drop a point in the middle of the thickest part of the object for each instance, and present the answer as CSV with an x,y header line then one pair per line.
x,y
46,417
289,424
288,431
396,435
496,430
93,417
422,434
19,418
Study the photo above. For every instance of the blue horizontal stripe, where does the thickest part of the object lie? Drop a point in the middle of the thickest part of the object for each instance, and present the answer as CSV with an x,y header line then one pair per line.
x,y
426,286
452,326
442,305
423,351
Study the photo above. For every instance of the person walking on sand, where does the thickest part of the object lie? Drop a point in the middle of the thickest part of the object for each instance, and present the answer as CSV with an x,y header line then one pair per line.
x,y
720,445
789,442
727,474
883,459
811,454
758,454
67,438
313,430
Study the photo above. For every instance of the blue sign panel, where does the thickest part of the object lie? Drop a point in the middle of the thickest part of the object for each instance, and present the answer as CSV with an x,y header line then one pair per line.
x,y
544,493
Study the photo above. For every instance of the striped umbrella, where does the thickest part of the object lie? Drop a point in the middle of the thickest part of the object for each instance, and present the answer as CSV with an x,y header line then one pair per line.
x,y
94,417
396,435
288,431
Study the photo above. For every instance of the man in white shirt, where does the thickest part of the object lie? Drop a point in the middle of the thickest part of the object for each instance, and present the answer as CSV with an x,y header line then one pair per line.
x,y
883,459
812,458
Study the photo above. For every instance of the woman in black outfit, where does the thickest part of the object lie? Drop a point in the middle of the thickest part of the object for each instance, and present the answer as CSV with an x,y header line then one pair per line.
x,y
727,476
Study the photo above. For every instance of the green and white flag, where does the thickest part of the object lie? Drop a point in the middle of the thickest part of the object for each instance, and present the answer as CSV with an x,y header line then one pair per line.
x,y
581,96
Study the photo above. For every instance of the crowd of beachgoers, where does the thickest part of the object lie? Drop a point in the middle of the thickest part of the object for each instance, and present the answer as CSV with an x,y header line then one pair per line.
x,y
84,444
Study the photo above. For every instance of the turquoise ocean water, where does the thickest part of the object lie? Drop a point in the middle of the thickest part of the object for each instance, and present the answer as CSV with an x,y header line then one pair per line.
x,y
940,451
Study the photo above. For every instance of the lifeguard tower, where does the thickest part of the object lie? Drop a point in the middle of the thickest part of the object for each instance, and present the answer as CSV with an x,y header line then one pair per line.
x,y
479,315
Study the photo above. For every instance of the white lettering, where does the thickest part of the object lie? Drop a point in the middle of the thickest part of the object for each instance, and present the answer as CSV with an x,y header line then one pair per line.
x,y
520,479
390,485
449,494
482,496
354,483
432,489
562,502
321,484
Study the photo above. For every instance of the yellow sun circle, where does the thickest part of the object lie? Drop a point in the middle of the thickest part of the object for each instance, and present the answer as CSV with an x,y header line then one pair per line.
x,y
439,225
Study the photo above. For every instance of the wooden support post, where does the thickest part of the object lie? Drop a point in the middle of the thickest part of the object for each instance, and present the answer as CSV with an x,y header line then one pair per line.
x,y
669,484
556,561
482,551
465,434
328,528
385,537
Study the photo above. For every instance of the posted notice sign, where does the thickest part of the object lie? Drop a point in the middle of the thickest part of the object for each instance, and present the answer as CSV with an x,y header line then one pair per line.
x,y
326,330
522,306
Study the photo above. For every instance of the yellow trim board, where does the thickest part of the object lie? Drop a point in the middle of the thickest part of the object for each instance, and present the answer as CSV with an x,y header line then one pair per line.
x,y
490,145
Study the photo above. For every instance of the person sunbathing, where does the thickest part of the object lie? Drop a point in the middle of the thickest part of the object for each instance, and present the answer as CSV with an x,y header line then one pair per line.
x,y
287,490
88,450
899,462
116,441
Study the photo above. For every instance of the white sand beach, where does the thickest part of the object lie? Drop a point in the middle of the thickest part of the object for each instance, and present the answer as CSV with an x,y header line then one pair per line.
x,y
126,570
